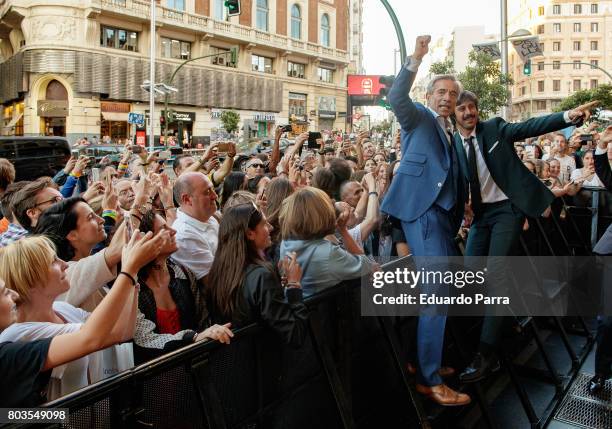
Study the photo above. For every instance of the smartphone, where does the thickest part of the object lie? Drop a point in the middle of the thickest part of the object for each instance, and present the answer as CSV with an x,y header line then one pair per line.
x,y
223,147
584,138
312,139
164,154
95,174
74,154
137,148
287,128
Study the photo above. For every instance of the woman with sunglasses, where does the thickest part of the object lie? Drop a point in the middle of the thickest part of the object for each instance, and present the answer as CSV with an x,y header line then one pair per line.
x,y
242,286
41,334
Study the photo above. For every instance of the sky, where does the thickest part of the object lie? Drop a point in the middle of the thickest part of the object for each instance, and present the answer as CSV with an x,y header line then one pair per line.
x,y
434,17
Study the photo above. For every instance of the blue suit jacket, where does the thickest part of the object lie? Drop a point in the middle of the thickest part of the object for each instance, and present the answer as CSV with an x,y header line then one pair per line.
x,y
425,162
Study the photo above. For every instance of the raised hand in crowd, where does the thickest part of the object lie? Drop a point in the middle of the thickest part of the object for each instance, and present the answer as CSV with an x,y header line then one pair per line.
x,y
110,199
605,138
93,191
421,47
295,175
211,165
291,272
140,249
70,165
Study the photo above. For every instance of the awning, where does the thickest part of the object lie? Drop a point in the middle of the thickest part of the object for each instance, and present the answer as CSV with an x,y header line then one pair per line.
x,y
115,116
14,121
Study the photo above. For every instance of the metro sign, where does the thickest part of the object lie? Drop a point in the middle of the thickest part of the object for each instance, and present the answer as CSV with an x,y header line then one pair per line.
x,y
364,85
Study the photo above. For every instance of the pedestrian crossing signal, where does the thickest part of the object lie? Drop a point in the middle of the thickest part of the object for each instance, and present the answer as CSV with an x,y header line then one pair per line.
x,y
233,7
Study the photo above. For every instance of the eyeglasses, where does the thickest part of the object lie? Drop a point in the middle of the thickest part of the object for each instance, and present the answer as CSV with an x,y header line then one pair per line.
x,y
53,200
257,165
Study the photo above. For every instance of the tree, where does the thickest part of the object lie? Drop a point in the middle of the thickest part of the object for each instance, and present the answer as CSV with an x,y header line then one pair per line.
x,y
602,93
230,120
383,127
484,78
442,67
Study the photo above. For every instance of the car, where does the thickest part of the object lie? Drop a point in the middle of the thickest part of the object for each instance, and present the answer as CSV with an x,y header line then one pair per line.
x,y
35,157
99,151
267,143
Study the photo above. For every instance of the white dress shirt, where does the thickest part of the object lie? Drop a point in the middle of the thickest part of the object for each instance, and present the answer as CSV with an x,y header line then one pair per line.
x,y
197,243
489,191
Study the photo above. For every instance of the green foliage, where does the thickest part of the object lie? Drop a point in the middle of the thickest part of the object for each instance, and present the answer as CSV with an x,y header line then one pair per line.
x,y
230,120
442,67
484,78
383,127
602,93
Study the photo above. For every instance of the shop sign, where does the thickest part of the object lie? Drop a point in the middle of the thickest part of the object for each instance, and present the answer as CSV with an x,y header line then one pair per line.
x,y
327,107
178,116
136,118
215,114
109,106
264,117
52,108
363,85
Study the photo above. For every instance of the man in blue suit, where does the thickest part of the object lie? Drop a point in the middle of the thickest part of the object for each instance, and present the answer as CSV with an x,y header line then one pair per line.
x,y
428,195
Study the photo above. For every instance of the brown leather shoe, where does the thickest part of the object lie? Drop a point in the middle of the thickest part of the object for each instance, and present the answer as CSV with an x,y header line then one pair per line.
x,y
445,371
444,395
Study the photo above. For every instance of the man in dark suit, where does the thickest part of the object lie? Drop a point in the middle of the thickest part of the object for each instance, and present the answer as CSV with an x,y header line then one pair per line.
x,y
427,194
603,354
502,192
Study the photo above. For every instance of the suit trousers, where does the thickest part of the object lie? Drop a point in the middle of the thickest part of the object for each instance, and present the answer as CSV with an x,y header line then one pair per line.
x,y
432,234
494,234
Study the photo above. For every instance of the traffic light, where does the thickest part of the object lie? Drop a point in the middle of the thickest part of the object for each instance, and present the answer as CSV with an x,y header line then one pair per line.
x,y
387,83
233,7
527,68
234,55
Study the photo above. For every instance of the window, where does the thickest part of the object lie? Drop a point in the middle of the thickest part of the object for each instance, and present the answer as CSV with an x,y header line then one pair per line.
x,y
577,27
594,63
541,29
296,22
576,46
172,48
594,83
542,47
556,46
576,84
325,30
556,65
541,11
577,9
594,27
296,70
540,86
176,4
594,45
261,64
297,104
523,90
541,66
556,85
221,59
119,39
262,15
557,9
576,64
541,105
557,27
325,75
594,8
220,13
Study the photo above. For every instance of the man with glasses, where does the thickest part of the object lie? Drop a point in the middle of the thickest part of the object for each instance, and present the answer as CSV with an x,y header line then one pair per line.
x,y
255,167
27,205
196,229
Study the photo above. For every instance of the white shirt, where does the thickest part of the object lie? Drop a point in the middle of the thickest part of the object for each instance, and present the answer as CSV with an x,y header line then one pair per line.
x,y
595,182
568,164
197,242
489,191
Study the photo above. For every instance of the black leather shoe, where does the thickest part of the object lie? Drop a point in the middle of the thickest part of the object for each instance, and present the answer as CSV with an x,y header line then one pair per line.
x,y
596,383
480,368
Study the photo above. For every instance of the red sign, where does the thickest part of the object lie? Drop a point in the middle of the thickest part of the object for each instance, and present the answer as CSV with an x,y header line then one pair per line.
x,y
364,85
141,138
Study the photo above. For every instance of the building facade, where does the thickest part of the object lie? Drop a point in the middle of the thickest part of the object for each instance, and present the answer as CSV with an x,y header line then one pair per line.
x,y
75,68
572,35
356,37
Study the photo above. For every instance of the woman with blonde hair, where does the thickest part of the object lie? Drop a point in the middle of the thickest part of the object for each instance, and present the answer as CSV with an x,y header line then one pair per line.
x,y
308,216
44,334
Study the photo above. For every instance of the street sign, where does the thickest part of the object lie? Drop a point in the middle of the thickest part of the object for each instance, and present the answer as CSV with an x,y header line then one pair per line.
x,y
136,118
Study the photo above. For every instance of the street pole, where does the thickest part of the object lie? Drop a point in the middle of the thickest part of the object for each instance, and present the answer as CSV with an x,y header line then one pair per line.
x,y
504,52
398,29
152,80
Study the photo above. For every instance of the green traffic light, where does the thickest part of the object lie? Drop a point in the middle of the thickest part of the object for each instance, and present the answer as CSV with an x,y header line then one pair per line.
x,y
527,68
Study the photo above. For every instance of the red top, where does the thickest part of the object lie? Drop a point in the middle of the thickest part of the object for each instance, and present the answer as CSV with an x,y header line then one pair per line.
x,y
168,321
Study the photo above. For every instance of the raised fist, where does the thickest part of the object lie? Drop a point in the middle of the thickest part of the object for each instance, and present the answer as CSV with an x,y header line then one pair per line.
x,y
422,47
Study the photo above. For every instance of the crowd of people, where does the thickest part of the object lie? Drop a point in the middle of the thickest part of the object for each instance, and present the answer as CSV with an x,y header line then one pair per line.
x,y
101,274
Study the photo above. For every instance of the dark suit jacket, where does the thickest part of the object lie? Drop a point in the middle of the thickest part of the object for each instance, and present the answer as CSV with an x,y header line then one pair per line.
x,y
496,139
426,158
602,168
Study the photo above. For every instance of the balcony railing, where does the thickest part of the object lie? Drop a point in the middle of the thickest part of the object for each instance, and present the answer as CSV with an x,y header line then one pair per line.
x,y
141,9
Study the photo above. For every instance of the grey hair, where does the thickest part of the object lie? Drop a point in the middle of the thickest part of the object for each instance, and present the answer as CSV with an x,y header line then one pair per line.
x,y
439,77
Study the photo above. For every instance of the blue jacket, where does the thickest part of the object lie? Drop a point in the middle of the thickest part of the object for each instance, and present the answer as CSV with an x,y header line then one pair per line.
x,y
426,158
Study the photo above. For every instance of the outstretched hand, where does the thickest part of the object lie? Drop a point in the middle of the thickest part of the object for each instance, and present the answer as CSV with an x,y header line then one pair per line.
x,y
422,47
